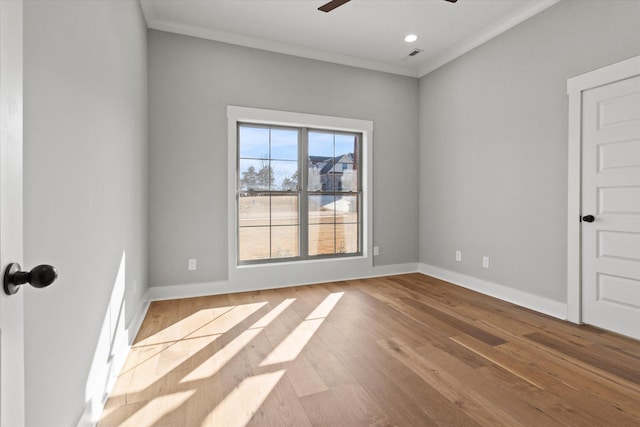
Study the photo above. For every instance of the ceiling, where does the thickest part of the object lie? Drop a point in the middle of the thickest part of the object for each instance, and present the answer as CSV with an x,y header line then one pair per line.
x,y
362,33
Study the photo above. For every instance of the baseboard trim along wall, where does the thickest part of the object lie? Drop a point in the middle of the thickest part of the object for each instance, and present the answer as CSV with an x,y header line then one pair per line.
x,y
136,322
191,290
523,299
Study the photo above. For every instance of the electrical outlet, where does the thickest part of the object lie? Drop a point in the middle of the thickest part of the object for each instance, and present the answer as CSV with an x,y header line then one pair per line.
x,y
458,256
376,250
193,264
485,262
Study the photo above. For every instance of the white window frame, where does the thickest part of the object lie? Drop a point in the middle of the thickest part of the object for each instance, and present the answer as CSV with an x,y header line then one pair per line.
x,y
288,273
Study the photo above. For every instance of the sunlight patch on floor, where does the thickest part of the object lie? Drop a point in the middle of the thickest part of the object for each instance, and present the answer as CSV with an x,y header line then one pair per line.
x,y
217,361
176,357
239,406
326,306
157,408
213,364
289,349
210,321
151,362
181,355
184,327
228,320
270,317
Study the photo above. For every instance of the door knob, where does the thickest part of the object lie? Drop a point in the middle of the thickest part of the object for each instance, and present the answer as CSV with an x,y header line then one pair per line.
x,y
39,277
588,218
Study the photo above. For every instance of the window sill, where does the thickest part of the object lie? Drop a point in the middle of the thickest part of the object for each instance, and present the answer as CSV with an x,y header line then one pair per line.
x,y
302,262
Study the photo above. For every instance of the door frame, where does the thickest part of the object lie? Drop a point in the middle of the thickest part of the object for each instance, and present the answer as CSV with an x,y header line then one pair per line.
x,y
575,87
12,378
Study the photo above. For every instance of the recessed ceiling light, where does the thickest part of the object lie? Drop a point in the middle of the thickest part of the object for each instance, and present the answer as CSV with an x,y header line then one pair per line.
x,y
411,38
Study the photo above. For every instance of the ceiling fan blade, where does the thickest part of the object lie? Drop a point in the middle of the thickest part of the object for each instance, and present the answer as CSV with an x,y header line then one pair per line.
x,y
332,5
337,3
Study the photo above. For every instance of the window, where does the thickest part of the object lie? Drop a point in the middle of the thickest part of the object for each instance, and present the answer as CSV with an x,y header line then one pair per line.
x,y
299,193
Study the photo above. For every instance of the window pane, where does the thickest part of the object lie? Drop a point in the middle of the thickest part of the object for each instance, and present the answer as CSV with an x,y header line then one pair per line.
x,y
321,145
346,238
348,180
314,182
321,175
269,193
254,210
345,145
328,179
284,175
254,142
254,174
321,239
346,209
321,209
253,243
284,241
284,144
284,209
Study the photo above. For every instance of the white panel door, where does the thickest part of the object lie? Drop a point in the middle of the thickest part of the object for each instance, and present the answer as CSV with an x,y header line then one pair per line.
x,y
11,307
611,194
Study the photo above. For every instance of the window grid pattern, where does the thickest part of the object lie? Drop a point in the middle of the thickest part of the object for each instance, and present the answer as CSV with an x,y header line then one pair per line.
x,y
299,194
268,201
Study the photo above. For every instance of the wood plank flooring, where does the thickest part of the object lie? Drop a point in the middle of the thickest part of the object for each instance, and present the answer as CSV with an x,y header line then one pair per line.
x,y
406,350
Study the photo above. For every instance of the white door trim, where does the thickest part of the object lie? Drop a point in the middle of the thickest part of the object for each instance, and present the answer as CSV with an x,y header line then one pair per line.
x,y
575,86
12,364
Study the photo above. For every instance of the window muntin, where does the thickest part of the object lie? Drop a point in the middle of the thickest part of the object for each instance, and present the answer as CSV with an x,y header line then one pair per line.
x,y
284,214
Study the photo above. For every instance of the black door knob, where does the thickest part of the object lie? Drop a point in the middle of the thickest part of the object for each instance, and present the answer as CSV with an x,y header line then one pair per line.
x,y
588,218
39,277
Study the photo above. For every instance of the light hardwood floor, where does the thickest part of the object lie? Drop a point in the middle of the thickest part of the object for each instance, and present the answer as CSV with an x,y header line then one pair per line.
x,y
406,350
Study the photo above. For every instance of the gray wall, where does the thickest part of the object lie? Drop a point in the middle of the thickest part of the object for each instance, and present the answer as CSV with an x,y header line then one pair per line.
x,y
493,144
491,165
191,83
85,171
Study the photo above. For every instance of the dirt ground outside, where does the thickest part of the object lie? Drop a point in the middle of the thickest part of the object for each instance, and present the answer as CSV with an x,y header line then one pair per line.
x,y
269,226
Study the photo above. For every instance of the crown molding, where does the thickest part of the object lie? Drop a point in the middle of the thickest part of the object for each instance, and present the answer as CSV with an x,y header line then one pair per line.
x,y
421,70
484,36
279,47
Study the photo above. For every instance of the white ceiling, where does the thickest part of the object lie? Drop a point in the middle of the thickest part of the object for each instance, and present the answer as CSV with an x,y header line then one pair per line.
x,y
362,33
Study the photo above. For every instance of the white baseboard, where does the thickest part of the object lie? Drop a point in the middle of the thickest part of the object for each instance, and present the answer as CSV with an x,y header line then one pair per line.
x,y
136,322
190,290
521,298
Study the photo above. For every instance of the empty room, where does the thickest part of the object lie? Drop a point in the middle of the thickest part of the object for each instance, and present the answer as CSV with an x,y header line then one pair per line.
x,y
319,213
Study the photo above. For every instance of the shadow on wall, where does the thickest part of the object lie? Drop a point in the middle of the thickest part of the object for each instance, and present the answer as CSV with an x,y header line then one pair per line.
x,y
111,350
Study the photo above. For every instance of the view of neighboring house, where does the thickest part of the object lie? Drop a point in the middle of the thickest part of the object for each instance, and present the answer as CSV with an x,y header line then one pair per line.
x,y
332,173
